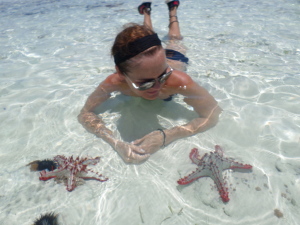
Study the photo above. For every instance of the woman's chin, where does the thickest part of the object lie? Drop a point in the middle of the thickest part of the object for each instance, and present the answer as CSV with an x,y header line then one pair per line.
x,y
150,98
151,95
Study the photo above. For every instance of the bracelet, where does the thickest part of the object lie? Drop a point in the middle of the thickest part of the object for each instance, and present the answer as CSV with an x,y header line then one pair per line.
x,y
164,142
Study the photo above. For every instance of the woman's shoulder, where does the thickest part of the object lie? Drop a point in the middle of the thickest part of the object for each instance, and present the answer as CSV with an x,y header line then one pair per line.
x,y
113,79
112,83
179,78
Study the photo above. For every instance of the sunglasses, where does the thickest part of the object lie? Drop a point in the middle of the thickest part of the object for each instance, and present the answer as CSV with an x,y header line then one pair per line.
x,y
149,84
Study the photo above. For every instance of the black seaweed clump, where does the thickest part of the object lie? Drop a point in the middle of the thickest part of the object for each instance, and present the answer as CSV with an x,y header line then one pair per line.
x,y
47,164
47,219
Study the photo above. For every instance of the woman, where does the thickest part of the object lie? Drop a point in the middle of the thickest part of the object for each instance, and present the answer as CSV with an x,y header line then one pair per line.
x,y
143,70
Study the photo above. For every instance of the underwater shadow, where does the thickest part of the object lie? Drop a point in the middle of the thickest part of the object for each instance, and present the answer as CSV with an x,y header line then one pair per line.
x,y
139,116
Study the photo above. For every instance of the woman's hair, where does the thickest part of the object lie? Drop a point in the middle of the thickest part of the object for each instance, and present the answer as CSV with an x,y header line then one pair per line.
x,y
131,33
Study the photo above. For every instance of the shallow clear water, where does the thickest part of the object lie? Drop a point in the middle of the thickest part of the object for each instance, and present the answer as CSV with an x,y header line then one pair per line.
x,y
246,53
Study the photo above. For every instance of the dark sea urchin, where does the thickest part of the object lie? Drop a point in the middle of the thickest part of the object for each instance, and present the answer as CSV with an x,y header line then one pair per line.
x,y
47,219
46,164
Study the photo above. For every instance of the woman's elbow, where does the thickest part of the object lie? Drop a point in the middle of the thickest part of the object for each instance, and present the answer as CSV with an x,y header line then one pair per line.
x,y
215,116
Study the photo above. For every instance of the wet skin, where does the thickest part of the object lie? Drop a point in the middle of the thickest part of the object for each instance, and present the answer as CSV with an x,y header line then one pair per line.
x,y
145,68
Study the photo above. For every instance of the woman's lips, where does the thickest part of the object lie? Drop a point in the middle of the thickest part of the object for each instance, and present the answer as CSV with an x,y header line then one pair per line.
x,y
152,92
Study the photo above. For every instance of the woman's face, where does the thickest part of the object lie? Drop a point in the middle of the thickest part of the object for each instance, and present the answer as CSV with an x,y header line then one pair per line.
x,y
146,68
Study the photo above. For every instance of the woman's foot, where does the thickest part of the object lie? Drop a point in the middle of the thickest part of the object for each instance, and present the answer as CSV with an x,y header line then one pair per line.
x,y
145,7
172,3
174,30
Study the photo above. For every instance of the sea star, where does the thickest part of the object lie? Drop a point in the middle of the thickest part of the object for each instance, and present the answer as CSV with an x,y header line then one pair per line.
x,y
72,171
211,165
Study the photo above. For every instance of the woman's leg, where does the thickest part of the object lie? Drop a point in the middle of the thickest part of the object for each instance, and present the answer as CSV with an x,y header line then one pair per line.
x,y
147,19
174,30
175,38
145,9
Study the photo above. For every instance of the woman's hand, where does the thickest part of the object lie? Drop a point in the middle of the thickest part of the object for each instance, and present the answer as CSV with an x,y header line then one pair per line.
x,y
131,153
151,142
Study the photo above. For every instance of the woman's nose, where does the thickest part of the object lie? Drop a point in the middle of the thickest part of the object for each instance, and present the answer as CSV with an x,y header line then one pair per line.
x,y
156,85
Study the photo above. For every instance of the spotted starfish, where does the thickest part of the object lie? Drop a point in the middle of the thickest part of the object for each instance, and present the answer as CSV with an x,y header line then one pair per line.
x,y
211,165
72,171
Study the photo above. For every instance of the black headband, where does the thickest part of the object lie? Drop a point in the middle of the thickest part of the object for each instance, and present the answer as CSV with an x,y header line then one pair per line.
x,y
138,46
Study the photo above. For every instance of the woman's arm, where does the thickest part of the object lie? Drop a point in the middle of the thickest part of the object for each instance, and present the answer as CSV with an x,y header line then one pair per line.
x,y
90,121
206,107
94,124
203,103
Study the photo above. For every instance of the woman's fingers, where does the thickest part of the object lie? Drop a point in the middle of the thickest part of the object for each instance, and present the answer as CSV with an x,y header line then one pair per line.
x,y
137,150
137,158
131,153
138,141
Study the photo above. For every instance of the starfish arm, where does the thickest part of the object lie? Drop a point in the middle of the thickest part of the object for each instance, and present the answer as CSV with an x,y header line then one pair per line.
x,y
71,181
95,178
46,178
91,161
224,163
221,185
60,159
228,163
192,177
45,175
237,165
99,177
194,156
219,150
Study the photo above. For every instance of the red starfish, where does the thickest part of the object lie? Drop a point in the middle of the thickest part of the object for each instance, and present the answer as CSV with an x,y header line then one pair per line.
x,y
211,165
72,171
